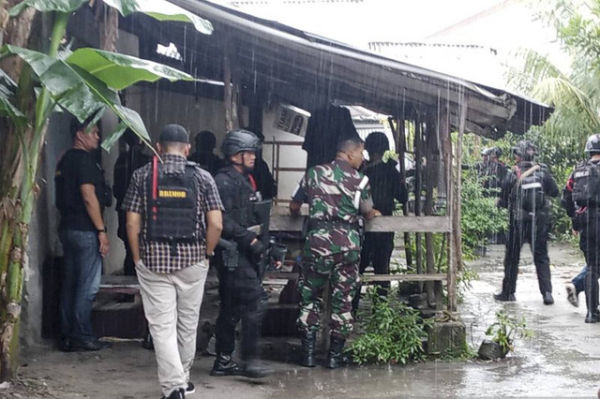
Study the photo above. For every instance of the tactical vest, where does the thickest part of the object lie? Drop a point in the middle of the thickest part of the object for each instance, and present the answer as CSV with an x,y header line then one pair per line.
x,y
529,190
586,184
172,213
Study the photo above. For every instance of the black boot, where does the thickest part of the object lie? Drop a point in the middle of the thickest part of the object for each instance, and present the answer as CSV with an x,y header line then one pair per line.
x,y
504,297
592,317
224,365
335,358
254,368
308,349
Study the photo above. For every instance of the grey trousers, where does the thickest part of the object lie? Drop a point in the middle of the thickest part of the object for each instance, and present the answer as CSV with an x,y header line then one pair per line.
x,y
172,306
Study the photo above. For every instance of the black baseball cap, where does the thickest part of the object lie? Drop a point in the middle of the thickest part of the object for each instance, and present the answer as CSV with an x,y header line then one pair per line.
x,y
174,133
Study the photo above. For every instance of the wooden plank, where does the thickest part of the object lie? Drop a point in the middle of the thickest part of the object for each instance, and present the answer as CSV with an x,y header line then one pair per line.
x,y
404,277
281,276
425,224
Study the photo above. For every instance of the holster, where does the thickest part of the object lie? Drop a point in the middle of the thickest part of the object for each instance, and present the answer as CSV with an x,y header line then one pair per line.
x,y
231,254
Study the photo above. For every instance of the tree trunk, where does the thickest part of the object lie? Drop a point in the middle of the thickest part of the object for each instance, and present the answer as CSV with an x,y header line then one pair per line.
x,y
20,161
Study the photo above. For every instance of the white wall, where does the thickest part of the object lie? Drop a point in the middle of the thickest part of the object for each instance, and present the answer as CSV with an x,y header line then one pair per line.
x,y
289,156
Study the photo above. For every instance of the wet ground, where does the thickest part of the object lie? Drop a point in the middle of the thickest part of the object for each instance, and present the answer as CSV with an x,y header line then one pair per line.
x,y
561,361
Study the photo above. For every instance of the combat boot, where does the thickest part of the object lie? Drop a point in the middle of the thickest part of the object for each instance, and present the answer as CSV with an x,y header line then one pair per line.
x,y
224,365
592,317
335,358
254,368
308,349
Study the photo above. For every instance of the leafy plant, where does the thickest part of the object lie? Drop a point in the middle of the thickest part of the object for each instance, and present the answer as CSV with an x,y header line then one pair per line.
x,y
480,216
505,329
391,331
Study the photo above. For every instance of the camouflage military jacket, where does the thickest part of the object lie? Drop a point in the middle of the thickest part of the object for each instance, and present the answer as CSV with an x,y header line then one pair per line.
x,y
339,193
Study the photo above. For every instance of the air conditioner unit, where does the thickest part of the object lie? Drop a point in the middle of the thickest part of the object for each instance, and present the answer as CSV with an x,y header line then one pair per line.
x,y
291,119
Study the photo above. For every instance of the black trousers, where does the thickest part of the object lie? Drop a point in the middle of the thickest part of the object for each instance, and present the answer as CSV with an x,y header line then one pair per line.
x,y
534,232
377,250
241,298
590,244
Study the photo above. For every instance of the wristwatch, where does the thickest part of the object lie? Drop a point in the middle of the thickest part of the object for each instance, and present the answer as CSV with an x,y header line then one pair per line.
x,y
103,230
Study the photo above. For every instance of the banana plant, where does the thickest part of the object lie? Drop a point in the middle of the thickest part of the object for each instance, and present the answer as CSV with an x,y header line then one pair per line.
x,y
83,82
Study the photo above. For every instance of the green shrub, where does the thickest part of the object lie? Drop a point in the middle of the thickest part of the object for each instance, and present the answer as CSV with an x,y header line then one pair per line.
x,y
391,332
480,216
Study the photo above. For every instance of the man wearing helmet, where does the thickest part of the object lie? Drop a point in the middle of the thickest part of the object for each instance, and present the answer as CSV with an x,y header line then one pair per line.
x,y
492,171
581,199
240,287
525,192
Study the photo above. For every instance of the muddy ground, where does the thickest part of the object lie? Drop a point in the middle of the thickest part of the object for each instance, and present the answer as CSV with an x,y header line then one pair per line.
x,y
561,361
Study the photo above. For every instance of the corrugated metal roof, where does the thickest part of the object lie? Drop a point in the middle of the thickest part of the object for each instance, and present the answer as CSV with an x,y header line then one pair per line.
x,y
303,68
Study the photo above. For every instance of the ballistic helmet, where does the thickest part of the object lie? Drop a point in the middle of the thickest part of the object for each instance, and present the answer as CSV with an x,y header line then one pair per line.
x,y
525,149
240,140
592,145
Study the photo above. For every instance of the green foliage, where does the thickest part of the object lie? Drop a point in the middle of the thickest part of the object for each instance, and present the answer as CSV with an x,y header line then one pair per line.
x,y
480,216
505,329
573,91
392,332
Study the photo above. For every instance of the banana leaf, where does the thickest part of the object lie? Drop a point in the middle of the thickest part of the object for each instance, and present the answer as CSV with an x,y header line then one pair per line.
x,y
158,9
66,6
76,90
163,11
119,71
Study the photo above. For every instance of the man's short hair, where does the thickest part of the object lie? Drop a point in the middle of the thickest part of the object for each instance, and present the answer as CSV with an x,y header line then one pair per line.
x,y
350,144
77,126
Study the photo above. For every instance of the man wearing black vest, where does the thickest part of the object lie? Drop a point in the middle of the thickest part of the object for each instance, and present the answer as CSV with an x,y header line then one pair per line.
x,y
526,192
173,223
240,282
581,199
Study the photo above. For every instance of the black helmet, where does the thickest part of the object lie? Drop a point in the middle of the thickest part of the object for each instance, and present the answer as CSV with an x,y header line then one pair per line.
x,y
377,142
240,140
592,145
525,149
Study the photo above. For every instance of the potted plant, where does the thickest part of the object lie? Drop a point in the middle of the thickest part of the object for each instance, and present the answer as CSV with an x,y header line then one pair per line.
x,y
503,332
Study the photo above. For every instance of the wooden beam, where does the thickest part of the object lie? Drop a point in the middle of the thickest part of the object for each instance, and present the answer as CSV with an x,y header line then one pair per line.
x,y
404,277
412,224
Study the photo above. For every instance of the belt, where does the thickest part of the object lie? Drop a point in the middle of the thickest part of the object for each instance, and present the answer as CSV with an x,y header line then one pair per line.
x,y
314,224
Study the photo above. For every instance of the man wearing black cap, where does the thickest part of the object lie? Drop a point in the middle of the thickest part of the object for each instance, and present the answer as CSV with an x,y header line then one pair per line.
x,y
173,223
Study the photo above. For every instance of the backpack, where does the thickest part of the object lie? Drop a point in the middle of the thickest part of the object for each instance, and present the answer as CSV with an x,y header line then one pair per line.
x,y
529,189
172,205
586,184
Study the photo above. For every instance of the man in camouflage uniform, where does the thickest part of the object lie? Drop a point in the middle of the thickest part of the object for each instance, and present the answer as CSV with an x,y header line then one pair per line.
x,y
337,195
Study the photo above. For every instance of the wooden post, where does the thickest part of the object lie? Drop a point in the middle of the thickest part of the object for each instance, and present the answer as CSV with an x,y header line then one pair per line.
x,y
227,89
429,173
447,154
401,147
418,189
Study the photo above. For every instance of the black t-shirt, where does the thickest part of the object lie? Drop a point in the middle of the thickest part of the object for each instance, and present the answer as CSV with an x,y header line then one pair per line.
x,y
386,185
77,167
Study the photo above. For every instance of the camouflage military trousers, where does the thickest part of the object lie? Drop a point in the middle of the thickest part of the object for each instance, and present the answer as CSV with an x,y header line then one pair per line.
x,y
341,272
